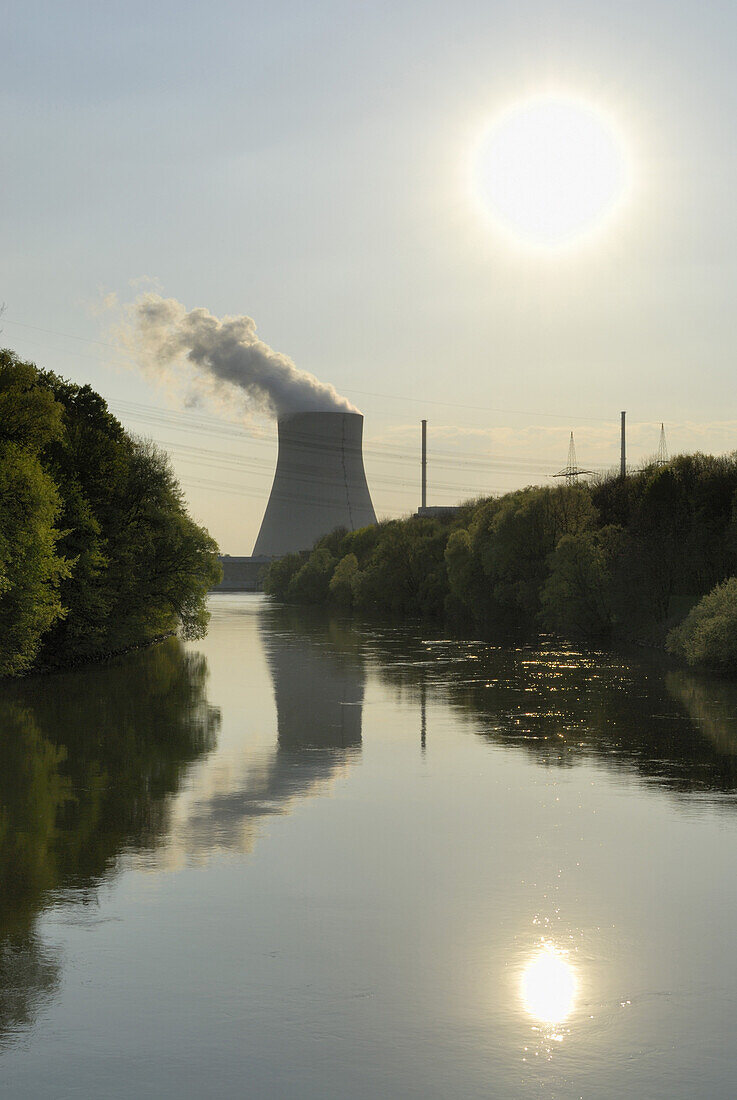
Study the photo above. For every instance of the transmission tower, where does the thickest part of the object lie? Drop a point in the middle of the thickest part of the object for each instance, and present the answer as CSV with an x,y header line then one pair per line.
x,y
572,470
662,458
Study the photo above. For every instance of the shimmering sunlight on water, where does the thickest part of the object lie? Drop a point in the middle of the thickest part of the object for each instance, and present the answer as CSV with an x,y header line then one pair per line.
x,y
305,858
549,985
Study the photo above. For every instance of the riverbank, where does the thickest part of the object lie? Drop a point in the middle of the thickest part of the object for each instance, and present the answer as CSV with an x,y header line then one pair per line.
x,y
623,560
82,662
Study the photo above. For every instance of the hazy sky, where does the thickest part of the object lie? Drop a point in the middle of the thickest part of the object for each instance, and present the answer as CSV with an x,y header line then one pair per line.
x,y
307,165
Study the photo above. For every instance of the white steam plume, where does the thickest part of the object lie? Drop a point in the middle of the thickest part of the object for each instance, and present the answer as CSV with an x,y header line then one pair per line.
x,y
213,356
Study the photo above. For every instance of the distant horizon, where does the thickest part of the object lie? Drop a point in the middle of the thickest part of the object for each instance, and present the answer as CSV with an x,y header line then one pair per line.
x,y
401,451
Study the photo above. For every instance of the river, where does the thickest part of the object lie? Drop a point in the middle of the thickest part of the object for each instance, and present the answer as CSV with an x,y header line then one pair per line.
x,y
305,858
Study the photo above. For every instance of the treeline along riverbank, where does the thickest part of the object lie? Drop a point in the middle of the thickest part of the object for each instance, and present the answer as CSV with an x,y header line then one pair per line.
x,y
650,558
97,551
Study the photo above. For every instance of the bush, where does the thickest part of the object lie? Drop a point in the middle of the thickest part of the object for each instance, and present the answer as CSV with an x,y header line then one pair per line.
x,y
310,583
708,634
279,573
342,584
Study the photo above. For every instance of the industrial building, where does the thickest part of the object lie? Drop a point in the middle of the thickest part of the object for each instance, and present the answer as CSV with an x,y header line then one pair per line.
x,y
319,485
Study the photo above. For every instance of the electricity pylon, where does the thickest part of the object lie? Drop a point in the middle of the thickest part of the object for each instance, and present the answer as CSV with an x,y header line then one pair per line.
x,y
662,458
572,470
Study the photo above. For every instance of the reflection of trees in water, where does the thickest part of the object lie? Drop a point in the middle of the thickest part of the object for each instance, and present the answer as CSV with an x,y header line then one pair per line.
x,y
317,672
29,978
711,704
562,706
88,761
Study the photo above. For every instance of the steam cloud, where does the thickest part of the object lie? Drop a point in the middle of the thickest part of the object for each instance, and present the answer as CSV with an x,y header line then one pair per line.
x,y
223,353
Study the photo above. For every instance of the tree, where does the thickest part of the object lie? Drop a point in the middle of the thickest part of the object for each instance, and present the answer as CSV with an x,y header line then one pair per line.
x,y
524,530
161,564
142,567
97,550
708,634
279,573
31,569
310,584
576,598
405,573
30,416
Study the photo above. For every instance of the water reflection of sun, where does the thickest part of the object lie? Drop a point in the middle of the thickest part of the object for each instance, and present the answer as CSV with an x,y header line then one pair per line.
x,y
549,985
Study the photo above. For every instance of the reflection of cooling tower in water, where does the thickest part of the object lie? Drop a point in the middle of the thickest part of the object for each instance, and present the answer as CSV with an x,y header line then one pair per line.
x,y
317,674
318,691
319,484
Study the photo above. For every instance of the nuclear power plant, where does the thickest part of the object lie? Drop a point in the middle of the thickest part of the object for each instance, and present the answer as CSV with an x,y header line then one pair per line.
x,y
319,484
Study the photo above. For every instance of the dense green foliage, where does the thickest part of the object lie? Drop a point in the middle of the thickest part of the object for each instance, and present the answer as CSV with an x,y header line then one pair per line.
x,y
578,597
708,634
395,568
97,551
620,558
30,567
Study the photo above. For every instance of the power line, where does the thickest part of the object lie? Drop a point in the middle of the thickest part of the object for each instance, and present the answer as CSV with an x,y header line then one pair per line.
x,y
191,423
66,335
364,393
482,408
466,463
219,460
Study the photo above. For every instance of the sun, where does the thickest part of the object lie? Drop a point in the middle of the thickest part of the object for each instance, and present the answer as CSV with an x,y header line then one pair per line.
x,y
550,170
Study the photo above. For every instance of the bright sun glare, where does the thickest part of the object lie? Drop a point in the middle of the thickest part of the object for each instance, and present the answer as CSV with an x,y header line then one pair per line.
x,y
550,169
549,986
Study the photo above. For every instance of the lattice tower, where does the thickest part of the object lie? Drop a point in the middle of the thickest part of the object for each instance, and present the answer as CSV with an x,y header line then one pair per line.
x,y
572,469
662,458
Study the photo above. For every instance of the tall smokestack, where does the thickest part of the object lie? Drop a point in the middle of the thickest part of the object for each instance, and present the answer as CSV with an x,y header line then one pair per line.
x,y
319,484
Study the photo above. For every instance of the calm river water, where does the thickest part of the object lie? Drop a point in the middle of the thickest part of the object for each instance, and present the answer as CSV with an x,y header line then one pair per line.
x,y
304,859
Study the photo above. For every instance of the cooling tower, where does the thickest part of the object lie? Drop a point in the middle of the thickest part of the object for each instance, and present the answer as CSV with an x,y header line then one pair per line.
x,y
319,484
